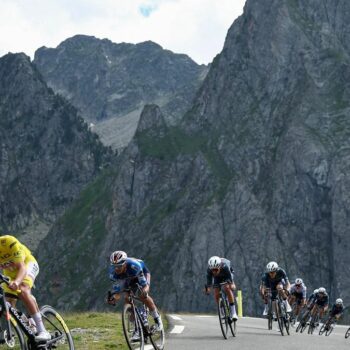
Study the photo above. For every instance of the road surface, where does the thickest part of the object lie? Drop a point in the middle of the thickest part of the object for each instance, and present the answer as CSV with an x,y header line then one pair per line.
x,y
202,332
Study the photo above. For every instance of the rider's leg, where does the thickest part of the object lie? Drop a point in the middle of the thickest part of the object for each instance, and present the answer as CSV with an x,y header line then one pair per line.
x,y
231,299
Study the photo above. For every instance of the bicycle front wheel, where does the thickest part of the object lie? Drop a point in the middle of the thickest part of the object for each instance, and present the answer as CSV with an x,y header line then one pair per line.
x,y
323,329
157,337
17,341
61,337
223,317
132,328
279,317
329,330
347,334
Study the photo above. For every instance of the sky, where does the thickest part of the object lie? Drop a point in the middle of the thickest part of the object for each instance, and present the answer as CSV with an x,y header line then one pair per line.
x,y
195,27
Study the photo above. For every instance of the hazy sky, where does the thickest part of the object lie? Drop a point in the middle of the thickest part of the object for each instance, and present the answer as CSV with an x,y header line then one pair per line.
x,y
195,27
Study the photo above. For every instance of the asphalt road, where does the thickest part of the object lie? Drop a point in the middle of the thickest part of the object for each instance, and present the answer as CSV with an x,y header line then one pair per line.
x,y
192,332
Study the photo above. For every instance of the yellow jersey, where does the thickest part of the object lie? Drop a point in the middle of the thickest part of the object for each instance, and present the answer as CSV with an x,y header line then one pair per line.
x,y
13,251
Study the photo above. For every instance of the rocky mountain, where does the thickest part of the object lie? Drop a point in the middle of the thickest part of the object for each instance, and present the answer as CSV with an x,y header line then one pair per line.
x,y
257,170
110,83
47,153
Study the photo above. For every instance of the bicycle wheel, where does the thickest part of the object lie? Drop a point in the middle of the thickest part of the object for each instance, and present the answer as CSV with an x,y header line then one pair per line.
x,y
285,317
223,317
17,341
60,335
329,330
269,315
131,325
279,317
323,329
157,337
347,334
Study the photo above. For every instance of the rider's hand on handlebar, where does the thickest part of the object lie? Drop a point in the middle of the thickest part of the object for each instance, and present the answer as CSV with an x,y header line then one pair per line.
x,y
14,285
207,290
110,299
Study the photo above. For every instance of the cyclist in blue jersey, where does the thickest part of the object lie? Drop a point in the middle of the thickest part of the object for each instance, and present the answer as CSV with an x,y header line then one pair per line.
x,y
131,273
297,295
276,279
220,271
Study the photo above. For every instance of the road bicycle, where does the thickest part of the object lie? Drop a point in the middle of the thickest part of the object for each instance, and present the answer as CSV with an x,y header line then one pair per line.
x,y
16,331
224,314
328,326
136,319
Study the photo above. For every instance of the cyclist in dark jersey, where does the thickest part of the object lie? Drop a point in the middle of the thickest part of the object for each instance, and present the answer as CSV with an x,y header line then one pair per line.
x,y
220,271
132,273
337,309
276,279
321,302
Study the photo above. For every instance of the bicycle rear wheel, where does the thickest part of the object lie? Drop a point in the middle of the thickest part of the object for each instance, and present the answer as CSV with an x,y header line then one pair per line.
x,y
223,317
61,337
17,341
131,325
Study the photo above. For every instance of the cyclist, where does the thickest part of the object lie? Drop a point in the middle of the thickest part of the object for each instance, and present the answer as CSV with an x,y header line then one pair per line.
x,y
337,309
321,302
297,295
18,263
131,273
219,271
276,279
311,300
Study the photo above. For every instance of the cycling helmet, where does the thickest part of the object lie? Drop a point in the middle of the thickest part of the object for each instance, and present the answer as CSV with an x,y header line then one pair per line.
x,y
298,281
272,266
214,262
322,290
118,257
315,291
339,301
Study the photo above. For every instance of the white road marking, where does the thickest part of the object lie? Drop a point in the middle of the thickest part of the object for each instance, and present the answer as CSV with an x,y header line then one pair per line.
x,y
177,318
148,347
177,329
204,316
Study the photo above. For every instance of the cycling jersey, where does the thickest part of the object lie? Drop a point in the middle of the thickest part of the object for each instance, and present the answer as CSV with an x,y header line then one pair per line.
x,y
298,291
225,274
12,252
312,298
336,310
322,300
272,282
136,272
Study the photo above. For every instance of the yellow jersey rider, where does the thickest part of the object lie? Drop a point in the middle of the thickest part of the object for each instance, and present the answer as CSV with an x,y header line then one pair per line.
x,y
18,263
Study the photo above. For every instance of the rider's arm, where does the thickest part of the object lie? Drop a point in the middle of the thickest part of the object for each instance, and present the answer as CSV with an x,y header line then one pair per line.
x,y
22,271
209,278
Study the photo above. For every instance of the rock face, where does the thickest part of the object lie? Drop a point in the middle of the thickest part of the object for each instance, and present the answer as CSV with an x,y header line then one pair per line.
x,y
47,154
258,169
110,83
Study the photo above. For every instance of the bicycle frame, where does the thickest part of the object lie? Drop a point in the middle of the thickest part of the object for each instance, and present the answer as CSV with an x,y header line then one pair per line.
x,y
12,316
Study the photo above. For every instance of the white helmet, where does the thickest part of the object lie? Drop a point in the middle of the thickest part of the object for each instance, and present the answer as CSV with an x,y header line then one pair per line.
x,y
214,262
339,301
118,257
322,290
272,266
315,291
298,281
